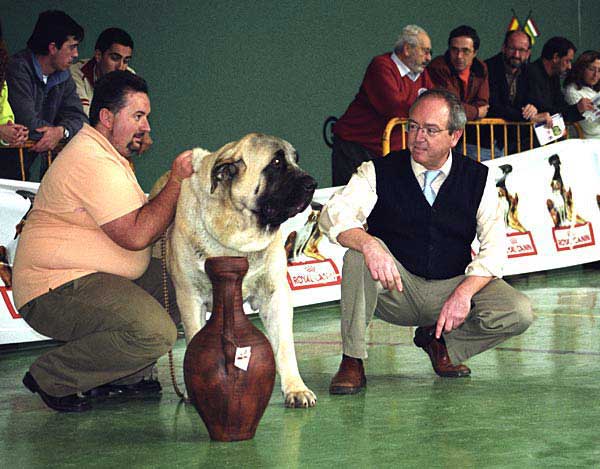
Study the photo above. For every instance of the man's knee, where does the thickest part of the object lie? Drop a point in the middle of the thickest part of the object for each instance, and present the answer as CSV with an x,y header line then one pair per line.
x,y
154,335
523,312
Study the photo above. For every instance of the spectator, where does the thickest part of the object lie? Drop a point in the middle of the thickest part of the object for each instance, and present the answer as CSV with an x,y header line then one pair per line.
x,y
113,51
42,92
10,133
391,84
463,74
544,77
507,73
583,81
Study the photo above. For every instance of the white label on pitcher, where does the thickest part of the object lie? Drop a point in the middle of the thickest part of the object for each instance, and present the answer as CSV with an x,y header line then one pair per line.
x,y
242,357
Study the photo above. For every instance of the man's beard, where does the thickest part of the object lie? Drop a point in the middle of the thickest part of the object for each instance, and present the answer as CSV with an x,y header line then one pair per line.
x,y
513,64
134,147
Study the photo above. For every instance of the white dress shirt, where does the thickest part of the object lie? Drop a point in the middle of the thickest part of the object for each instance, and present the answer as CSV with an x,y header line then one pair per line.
x,y
403,69
350,207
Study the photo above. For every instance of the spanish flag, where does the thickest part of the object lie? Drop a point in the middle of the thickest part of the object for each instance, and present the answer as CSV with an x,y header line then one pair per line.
x,y
513,25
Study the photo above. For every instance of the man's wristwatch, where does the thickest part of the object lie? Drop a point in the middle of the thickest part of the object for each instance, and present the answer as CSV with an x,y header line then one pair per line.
x,y
66,133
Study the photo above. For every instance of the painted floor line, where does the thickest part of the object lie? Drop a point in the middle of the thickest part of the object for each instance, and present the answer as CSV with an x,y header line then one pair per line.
x,y
503,349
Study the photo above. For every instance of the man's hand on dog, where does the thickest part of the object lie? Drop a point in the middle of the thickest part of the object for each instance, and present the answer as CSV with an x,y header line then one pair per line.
x,y
382,266
182,167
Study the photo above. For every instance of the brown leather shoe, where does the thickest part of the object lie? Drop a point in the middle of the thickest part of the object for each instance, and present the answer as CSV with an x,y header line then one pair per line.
x,y
350,377
436,349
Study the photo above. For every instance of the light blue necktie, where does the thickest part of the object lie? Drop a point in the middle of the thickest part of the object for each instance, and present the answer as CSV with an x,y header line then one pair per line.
x,y
428,191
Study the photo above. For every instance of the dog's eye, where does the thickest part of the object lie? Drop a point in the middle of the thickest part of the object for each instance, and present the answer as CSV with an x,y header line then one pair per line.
x,y
276,162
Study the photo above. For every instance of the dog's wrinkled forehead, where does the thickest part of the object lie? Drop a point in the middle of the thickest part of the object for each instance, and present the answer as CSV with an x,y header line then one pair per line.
x,y
264,146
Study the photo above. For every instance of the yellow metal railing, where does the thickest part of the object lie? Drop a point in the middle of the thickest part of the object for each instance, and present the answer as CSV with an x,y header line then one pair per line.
x,y
522,128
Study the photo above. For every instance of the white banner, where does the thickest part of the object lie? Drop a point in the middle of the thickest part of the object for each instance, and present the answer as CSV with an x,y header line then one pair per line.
x,y
551,197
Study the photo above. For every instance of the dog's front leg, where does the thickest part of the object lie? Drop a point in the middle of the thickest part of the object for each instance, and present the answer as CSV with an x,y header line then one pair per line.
x,y
277,316
185,270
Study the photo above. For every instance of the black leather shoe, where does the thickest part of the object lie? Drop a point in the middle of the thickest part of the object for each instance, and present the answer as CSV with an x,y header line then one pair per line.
x,y
146,387
70,403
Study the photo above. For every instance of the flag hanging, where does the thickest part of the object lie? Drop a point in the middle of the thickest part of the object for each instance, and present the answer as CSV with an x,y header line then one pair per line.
x,y
531,29
514,24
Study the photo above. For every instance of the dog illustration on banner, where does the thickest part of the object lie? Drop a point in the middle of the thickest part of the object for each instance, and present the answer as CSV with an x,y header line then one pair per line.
x,y
520,241
306,240
509,201
570,230
560,203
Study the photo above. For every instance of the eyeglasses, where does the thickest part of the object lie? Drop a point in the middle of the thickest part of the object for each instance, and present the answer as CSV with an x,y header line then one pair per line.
x,y
515,49
464,50
430,131
593,69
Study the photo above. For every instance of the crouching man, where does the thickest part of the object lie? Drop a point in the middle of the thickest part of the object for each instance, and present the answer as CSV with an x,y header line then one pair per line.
x,y
423,207
82,272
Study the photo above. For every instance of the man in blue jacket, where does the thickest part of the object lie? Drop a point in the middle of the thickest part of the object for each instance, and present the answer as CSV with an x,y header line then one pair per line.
x,y
42,93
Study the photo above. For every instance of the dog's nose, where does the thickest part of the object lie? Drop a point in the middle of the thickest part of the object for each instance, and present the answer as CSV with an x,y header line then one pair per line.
x,y
309,184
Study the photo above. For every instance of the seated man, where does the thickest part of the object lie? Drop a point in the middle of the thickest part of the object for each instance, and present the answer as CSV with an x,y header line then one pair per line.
x,y
42,92
544,77
414,266
82,271
391,84
10,133
464,75
113,51
509,100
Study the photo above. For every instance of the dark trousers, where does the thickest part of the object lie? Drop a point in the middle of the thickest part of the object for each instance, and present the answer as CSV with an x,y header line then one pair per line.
x,y
345,158
10,167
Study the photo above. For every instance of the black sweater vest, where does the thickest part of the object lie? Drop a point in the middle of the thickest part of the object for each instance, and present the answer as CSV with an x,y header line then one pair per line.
x,y
433,242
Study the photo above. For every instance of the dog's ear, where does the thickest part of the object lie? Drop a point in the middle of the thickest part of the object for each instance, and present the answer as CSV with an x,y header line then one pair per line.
x,y
224,171
226,166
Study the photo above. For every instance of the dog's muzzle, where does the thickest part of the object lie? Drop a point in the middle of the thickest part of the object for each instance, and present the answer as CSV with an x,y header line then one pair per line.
x,y
286,199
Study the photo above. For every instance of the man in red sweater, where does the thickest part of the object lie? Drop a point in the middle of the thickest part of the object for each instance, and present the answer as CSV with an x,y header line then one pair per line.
x,y
391,84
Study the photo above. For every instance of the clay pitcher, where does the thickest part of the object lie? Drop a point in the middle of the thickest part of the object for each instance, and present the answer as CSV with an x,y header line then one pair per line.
x,y
229,367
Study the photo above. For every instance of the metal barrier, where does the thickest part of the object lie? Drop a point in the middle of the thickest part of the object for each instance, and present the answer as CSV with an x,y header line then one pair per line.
x,y
476,126
21,148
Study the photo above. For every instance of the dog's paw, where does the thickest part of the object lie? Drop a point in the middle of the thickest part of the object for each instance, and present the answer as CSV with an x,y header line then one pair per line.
x,y
300,398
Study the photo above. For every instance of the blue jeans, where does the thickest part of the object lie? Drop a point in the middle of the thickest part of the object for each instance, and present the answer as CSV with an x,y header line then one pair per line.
x,y
485,154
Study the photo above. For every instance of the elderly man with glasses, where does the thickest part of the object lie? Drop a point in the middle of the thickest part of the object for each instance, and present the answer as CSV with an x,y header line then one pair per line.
x,y
413,267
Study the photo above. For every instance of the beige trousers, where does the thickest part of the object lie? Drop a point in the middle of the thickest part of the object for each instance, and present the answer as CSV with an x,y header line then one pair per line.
x,y
498,311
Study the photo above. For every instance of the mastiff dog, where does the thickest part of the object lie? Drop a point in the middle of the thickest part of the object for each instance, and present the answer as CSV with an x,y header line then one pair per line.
x,y
233,205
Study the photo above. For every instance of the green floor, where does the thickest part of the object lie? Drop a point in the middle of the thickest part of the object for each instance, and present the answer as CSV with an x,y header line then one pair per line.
x,y
532,402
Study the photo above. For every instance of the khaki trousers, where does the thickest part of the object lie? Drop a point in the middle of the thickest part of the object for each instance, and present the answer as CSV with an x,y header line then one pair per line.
x,y
112,328
498,311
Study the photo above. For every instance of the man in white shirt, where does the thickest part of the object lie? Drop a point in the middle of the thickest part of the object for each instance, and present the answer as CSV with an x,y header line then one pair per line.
x,y
423,208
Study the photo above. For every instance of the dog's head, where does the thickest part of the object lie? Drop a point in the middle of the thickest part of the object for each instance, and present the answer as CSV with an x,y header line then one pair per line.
x,y
260,174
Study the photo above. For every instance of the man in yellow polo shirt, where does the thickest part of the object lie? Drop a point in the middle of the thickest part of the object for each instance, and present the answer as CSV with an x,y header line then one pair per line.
x,y
83,272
